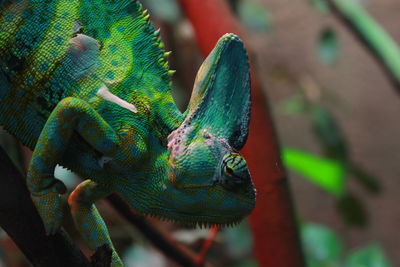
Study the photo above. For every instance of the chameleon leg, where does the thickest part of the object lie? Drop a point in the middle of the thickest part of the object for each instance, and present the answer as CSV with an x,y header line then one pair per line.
x,y
88,220
69,116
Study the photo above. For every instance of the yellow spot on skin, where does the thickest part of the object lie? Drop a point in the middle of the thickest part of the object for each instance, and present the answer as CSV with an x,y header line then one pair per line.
x,y
171,173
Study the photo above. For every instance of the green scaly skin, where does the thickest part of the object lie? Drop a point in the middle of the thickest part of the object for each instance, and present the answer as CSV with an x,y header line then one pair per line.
x,y
85,84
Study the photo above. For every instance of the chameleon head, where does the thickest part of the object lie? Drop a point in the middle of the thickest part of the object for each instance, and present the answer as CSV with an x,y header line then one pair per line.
x,y
208,181
208,174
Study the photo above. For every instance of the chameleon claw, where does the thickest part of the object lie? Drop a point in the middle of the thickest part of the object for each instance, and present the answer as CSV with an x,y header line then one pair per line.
x,y
49,230
52,229
50,208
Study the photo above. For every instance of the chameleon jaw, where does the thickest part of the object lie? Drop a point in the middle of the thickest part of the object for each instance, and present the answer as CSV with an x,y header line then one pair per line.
x,y
204,206
195,224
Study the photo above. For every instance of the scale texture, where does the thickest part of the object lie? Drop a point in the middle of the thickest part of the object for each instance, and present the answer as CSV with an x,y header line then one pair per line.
x,y
86,85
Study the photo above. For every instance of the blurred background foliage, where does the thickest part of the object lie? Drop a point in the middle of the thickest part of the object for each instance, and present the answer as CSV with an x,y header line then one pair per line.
x,y
313,93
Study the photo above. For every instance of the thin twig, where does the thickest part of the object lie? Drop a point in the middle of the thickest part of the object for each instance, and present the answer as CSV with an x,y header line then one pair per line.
x,y
207,245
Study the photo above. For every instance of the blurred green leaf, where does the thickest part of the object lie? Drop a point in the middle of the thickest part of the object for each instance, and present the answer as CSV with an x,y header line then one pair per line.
x,y
327,174
321,246
165,10
293,105
328,47
373,36
368,256
329,134
320,5
363,3
352,211
234,5
369,182
254,15
239,239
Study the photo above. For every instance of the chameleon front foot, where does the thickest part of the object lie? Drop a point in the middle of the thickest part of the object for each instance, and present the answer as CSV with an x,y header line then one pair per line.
x,y
50,203
70,116
87,218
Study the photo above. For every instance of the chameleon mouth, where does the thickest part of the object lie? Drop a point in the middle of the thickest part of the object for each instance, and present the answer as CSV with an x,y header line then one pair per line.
x,y
195,224
189,212
197,217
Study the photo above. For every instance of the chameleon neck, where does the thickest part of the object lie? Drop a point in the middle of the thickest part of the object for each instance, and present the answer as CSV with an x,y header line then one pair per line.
x,y
170,118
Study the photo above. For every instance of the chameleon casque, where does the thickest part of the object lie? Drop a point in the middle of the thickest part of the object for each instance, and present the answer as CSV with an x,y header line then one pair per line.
x,y
86,85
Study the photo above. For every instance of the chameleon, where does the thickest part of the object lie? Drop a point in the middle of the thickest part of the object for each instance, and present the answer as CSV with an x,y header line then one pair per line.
x,y
87,85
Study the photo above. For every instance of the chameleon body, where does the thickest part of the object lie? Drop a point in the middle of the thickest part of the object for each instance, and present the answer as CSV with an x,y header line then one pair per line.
x,y
86,84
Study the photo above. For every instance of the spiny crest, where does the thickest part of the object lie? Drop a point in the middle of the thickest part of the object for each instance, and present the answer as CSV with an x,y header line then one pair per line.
x,y
130,57
158,43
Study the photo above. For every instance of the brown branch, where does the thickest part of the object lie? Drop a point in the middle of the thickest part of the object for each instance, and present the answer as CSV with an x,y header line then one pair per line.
x,y
19,218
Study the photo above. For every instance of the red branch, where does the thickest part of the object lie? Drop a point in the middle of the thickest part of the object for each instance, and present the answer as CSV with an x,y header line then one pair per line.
x,y
274,229
206,245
